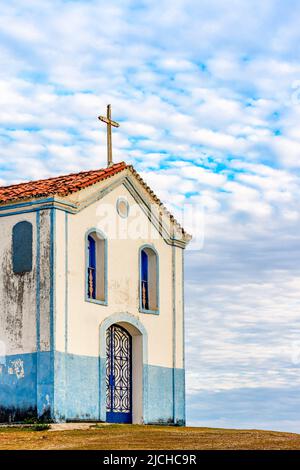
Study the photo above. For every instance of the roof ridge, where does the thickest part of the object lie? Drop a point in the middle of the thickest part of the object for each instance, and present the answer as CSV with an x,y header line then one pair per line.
x,y
157,199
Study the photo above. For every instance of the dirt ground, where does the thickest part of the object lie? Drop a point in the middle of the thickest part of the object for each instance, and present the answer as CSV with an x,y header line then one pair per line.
x,y
115,437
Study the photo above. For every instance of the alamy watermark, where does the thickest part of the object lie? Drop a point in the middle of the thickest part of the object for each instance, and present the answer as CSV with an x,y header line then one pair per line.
x,y
151,223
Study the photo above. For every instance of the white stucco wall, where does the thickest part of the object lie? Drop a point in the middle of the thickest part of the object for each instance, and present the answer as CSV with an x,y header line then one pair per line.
x,y
18,292
77,320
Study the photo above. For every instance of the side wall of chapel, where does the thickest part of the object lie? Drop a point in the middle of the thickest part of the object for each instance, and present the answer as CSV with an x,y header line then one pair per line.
x,y
25,369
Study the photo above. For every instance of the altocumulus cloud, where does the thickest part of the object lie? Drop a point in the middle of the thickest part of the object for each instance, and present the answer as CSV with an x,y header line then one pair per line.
x,y
208,98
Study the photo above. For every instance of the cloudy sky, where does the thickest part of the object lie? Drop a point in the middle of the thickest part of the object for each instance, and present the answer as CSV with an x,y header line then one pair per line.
x,y
208,96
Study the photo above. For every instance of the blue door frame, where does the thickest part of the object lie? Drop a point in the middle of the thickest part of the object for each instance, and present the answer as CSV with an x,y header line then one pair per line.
x,y
118,375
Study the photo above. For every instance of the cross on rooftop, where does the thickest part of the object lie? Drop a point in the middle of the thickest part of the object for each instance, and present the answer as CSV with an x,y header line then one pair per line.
x,y
107,119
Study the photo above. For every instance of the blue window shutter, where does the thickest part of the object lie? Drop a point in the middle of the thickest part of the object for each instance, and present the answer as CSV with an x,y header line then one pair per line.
x,y
92,252
22,247
92,268
144,266
144,281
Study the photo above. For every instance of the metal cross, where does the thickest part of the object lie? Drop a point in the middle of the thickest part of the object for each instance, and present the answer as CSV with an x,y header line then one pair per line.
x,y
109,123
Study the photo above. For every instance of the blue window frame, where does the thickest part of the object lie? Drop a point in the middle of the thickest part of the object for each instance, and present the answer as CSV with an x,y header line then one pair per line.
x,y
149,280
96,267
92,268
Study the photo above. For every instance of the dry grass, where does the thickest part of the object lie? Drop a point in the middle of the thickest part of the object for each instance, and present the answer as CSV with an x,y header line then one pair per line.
x,y
146,437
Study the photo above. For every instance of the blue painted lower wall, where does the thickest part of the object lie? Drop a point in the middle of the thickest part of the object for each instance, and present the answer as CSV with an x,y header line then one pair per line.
x,y
179,403
30,386
160,395
20,395
45,385
76,393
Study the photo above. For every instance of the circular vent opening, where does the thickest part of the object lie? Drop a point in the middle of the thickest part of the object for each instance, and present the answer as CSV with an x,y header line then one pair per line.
x,y
122,207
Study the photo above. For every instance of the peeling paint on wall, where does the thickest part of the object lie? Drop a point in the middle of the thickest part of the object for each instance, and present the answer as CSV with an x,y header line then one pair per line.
x,y
44,287
17,368
19,393
17,294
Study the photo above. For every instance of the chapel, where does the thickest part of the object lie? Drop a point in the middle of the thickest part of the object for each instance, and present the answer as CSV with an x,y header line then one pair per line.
x,y
91,299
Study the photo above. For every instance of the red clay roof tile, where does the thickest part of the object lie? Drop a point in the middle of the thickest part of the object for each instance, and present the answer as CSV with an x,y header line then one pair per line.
x,y
59,185
67,184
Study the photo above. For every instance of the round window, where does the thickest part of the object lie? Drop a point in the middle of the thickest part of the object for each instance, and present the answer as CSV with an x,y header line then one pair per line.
x,y
122,207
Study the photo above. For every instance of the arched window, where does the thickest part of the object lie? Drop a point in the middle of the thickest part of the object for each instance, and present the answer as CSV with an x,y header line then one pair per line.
x,y
96,267
148,280
22,247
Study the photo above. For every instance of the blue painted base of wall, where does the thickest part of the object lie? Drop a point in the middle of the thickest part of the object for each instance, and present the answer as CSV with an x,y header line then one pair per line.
x,y
19,394
66,387
16,415
77,394
161,396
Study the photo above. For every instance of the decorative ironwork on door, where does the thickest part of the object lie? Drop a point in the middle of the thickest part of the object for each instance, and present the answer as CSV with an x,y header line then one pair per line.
x,y
118,375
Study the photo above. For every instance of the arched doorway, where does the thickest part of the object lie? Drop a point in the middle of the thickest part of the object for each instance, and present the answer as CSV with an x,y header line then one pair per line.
x,y
118,375
139,359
